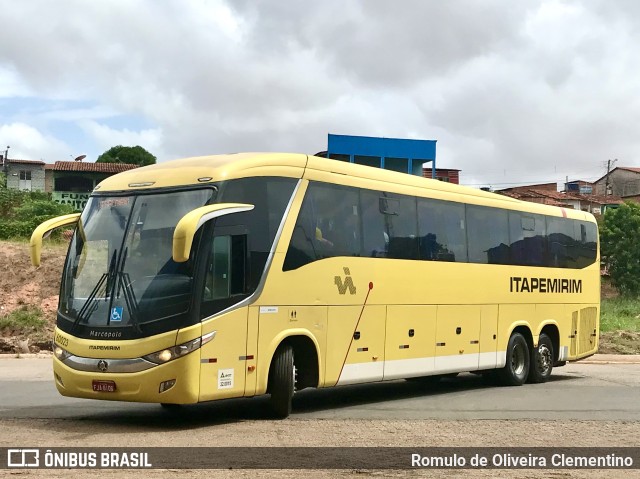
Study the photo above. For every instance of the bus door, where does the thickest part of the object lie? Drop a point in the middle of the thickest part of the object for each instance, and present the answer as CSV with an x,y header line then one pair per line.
x,y
223,359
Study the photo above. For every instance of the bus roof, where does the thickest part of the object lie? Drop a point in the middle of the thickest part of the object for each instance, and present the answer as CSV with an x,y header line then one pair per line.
x,y
215,168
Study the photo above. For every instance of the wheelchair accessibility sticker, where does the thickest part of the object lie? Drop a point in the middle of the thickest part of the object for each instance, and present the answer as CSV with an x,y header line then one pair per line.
x,y
116,313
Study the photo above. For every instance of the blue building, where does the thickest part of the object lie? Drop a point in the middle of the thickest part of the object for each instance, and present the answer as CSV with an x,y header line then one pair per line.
x,y
395,154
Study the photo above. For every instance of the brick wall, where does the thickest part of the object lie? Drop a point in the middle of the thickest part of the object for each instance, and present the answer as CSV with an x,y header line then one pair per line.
x,y
37,176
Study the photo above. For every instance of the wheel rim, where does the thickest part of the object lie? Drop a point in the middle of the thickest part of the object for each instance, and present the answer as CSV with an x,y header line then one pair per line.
x,y
295,378
544,359
518,361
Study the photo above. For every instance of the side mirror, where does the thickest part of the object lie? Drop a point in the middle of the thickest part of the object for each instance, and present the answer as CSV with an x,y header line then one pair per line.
x,y
192,221
44,230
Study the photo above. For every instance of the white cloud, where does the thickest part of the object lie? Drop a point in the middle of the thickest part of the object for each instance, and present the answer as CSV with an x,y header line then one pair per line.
x,y
106,137
28,143
512,91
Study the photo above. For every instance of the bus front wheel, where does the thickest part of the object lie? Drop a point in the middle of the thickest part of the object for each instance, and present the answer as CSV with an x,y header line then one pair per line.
x,y
282,381
516,370
541,360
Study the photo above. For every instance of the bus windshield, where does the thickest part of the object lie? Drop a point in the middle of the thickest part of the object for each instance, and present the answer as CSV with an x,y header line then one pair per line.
x,y
120,281
119,271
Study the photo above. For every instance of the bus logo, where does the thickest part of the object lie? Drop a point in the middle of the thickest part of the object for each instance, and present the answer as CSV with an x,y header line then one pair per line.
x,y
346,284
116,313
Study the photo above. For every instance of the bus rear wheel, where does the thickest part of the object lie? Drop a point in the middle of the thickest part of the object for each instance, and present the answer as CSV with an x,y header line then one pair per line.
x,y
542,360
516,370
282,381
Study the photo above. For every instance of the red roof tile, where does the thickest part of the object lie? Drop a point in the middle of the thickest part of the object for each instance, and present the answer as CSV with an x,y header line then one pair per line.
x,y
557,197
25,162
92,167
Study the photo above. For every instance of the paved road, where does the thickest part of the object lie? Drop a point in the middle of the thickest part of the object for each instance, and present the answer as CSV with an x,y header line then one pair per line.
x,y
582,391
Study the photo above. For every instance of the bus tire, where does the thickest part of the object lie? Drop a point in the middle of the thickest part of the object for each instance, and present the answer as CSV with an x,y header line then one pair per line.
x,y
542,360
516,370
282,382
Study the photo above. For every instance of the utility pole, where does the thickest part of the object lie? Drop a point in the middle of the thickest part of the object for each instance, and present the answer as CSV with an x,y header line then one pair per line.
x,y
5,161
606,182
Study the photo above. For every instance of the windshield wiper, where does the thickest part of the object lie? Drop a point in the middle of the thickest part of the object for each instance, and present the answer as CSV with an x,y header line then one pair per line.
x,y
129,294
91,304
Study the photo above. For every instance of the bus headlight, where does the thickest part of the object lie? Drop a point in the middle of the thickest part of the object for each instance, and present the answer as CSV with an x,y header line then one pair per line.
x,y
60,353
175,352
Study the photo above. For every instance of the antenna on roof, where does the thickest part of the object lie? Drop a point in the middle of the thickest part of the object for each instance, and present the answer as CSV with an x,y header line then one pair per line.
x,y
80,158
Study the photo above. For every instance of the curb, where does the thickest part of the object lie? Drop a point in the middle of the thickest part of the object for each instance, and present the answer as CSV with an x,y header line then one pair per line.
x,y
612,359
40,355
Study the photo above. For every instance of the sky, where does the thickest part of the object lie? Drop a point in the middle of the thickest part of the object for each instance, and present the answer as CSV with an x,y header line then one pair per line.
x,y
514,92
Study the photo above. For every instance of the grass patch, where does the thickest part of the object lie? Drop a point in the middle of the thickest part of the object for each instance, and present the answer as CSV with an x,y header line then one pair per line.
x,y
620,314
26,319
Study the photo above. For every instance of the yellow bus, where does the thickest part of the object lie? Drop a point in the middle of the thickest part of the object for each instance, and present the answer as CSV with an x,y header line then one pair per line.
x,y
240,275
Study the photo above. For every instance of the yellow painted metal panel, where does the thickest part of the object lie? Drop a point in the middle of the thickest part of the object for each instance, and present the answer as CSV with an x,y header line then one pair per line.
x,y
124,349
457,332
343,324
587,330
140,387
223,359
277,323
409,332
189,333
188,171
573,334
511,316
489,328
252,350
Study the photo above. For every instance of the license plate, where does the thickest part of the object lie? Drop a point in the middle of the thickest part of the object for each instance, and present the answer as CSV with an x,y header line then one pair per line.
x,y
103,386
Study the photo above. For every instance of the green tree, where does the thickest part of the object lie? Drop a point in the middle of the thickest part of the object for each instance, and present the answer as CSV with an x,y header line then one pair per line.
x,y
133,155
620,246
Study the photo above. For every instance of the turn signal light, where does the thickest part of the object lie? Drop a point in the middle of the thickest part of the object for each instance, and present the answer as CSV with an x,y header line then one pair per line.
x,y
166,385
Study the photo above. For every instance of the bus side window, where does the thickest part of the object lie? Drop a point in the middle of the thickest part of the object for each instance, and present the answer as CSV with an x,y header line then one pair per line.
x,y
337,220
586,244
226,267
487,235
401,225
302,247
375,239
561,243
528,239
442,231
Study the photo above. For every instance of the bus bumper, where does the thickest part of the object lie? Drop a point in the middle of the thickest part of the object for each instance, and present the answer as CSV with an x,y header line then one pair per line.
x,y
143,386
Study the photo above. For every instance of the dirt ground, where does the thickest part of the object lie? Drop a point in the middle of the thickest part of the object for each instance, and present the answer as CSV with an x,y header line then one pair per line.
x,y
21,284
325,433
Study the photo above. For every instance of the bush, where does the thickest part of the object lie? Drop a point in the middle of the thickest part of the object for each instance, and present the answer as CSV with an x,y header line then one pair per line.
x,y
41,208
620,245
9,199
21,212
